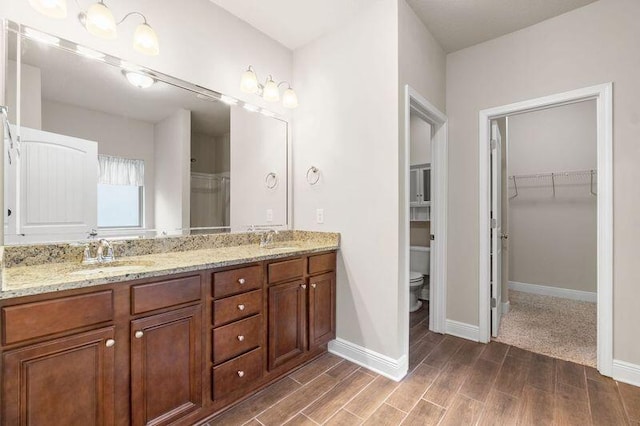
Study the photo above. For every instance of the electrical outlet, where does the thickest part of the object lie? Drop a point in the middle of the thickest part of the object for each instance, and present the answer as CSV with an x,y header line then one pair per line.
x,y
269,215
319,215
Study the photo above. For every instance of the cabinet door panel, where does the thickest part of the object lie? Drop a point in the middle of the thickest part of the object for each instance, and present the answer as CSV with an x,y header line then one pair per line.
x,y
166,362
287,322
322,309
67,381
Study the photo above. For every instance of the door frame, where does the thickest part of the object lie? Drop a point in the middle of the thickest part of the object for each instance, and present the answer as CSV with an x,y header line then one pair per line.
x,y
603,95
415,102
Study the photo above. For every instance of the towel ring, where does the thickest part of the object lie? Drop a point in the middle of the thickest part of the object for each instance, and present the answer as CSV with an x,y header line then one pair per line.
x,y
271,180
313,175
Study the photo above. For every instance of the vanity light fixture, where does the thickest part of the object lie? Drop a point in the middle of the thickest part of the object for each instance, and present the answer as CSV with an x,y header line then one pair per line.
x,y
270,90
56,9
141,81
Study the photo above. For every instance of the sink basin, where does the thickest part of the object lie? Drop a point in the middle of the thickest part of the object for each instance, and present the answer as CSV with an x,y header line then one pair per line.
x,y
109,268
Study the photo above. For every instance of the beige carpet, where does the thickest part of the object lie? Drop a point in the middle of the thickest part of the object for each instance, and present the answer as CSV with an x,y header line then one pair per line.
x,y
552,326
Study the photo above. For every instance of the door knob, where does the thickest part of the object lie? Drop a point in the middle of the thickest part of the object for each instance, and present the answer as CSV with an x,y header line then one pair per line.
x,y
139,334
109,343
504,236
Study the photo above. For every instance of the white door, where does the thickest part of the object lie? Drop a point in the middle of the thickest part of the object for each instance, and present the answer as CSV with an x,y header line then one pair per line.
x,y
56,187
496,228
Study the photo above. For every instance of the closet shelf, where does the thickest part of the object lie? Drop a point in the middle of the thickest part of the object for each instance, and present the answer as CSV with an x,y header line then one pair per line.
x,y
574,176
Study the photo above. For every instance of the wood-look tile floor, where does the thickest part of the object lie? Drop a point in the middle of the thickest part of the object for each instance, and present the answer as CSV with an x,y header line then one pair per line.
x,y
451,382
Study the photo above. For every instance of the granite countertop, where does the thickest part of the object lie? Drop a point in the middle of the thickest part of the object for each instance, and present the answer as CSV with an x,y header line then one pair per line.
x,y
28,280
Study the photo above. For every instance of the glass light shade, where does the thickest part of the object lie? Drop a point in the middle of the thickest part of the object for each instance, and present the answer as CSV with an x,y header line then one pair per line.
x,y
99,21
271,92
249,82
139,80
145,40
56,9
289,98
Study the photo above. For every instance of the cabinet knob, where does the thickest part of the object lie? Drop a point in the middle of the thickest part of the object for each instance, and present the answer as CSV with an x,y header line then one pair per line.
x,y
313,285
241,307
241,281
240,373
240,338
139,334
303,286
109,343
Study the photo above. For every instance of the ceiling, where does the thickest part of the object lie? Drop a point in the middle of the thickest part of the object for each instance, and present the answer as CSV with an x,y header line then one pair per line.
x,y
456,24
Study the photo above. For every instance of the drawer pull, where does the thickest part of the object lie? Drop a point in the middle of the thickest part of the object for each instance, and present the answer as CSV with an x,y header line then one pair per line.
x,y
109,343
139,334
304,286
241,307
313,285
241,338
240,373
241,281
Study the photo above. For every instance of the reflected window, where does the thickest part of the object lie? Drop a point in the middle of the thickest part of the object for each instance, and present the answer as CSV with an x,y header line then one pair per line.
x,y
120,192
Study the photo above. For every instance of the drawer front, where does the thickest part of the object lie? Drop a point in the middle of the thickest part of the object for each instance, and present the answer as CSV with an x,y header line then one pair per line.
x,y
38,319
286,271
236,338
164,294
237,373
322,263
237,281
237,307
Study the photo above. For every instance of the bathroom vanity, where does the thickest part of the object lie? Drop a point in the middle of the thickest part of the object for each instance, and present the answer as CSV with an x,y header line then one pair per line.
x,y
150,347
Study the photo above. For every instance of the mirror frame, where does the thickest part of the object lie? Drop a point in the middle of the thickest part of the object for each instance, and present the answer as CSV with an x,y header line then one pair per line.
x,y
20,30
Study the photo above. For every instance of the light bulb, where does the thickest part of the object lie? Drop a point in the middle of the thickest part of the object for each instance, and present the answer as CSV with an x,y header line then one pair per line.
x,y
141,81
289,98
271,92
145,40
249,81
56,9
99,21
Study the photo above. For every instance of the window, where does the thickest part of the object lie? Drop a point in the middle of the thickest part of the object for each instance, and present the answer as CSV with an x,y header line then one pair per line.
x,y
120,192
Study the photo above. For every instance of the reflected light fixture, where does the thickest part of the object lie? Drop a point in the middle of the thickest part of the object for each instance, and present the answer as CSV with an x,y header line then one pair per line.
x,y
56,9
139,80
270,90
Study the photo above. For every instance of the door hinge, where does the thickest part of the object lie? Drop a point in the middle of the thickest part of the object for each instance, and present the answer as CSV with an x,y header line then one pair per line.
x,y
432,237
494,302
494,223
494,144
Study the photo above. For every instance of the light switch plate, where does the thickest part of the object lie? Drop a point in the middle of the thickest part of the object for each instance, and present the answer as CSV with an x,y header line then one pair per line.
x,y
319,215
269,215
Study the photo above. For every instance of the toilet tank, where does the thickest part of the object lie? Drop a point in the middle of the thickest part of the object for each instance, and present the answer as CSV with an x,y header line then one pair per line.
x,y
419,259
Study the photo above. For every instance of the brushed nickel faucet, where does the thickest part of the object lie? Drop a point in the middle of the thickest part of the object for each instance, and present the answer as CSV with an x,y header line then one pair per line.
x,y
103,245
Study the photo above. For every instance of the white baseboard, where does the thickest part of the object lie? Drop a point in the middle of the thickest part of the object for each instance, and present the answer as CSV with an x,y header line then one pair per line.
x,y
506,307
394,369
626,372
461,329
565,293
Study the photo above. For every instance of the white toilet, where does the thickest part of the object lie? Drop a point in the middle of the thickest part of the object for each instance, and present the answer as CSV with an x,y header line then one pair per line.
x,y
419,265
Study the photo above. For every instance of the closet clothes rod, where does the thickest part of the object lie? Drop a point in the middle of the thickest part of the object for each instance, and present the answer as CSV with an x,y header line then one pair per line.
x,y
556,175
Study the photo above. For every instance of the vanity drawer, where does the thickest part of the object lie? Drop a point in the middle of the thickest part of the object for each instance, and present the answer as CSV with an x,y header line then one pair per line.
x,y
322,263
237,281
38,319
286,270
236,338
237,373
236,307
164,294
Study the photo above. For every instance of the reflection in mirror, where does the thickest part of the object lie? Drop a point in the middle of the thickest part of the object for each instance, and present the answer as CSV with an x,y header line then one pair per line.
x,y
110,149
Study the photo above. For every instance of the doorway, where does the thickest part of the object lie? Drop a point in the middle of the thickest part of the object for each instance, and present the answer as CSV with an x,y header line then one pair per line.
x,y
425,207
490,287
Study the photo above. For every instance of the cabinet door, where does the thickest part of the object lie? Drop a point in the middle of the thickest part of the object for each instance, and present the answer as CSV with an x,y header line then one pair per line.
x,y
414,187
287,322
322,309
68,381
166,366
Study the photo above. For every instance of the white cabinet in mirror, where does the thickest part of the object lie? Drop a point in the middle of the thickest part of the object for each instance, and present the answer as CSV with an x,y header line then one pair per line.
x,y
101,144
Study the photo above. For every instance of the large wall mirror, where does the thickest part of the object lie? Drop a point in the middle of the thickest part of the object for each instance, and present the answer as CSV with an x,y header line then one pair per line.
x,y
96,145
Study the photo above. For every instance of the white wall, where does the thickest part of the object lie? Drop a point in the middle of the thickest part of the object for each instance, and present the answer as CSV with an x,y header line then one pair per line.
x,y
117,136
420,139
31,94
552,239
347,126
172,141
591,45
257,148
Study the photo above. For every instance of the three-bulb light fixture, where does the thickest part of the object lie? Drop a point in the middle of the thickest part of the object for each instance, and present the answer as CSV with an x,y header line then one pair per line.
x,y
270,90
99,21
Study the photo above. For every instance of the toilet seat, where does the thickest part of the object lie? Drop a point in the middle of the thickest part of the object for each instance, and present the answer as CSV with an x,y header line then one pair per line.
x,y
415,279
